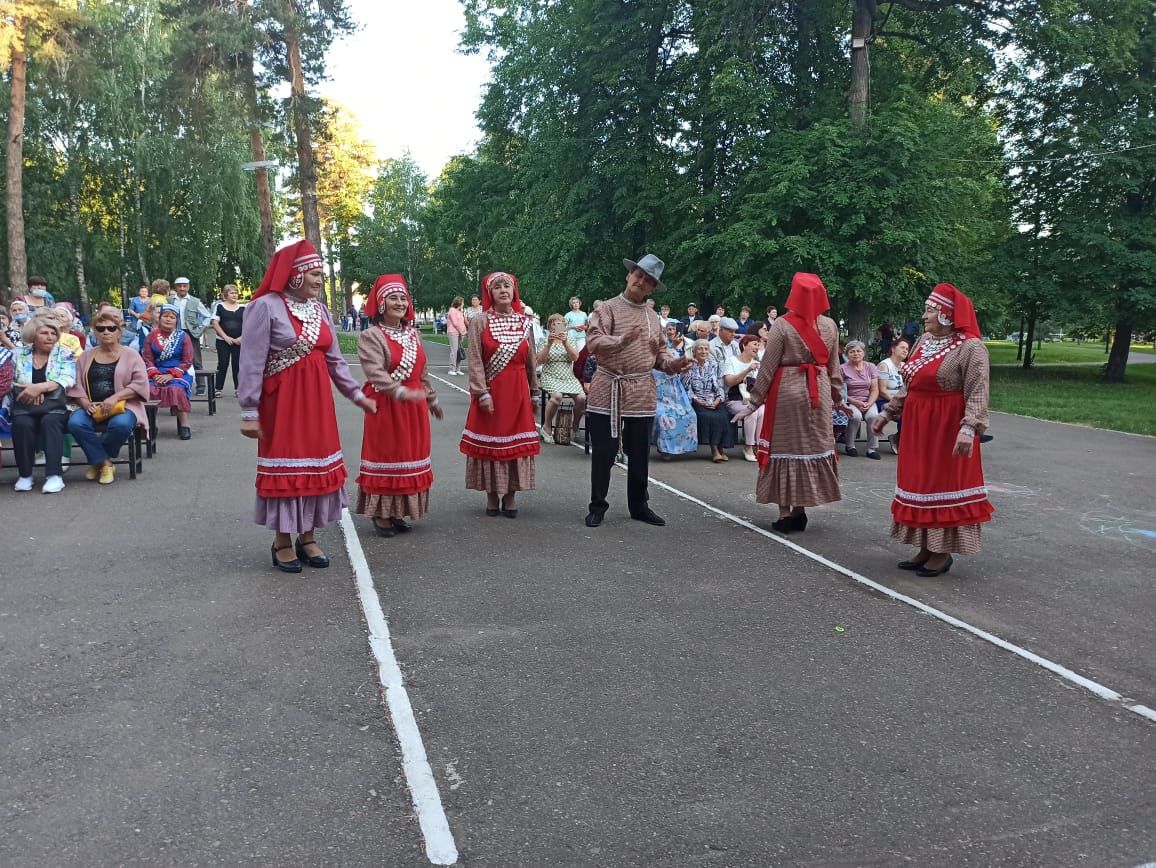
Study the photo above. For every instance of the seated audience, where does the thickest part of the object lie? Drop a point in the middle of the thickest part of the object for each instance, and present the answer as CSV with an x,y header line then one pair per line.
x,y
862,381
111,387
168,355
43,369
736,372
891,381
703,383
556,356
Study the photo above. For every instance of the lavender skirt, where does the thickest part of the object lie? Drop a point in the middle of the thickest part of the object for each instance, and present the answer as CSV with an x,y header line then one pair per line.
x,y
299,514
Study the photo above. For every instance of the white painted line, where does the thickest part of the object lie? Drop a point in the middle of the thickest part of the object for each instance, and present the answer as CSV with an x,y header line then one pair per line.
x,y
1062,671
1055,668
423,789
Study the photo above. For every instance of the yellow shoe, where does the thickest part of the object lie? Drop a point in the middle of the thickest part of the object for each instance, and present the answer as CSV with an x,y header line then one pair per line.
x,y
107,474
92,473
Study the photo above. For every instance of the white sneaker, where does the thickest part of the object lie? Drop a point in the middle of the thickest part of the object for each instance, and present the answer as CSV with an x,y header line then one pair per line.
x,y
24,483
52,485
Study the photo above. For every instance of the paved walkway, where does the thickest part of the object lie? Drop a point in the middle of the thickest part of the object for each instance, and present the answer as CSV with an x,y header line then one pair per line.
x,y
696,694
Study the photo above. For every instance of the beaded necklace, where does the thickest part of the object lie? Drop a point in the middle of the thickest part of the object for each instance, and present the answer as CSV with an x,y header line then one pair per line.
x,y
308,312
509,330
407,338
928,351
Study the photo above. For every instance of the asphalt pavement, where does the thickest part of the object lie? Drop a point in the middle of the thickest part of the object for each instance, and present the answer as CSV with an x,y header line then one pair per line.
x,y
697,694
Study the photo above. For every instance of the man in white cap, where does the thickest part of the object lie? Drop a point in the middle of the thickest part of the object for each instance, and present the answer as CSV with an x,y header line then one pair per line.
x,y
194,317
626,338
723,345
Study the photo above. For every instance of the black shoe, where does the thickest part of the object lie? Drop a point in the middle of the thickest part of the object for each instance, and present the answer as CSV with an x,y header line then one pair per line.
x,y
852,451
593,519
185,433
986,438
929,574
873,455
318,562
911,565
784,525
510,513
386,530
200,390
293,566
650,517
799,522
400,526
493,512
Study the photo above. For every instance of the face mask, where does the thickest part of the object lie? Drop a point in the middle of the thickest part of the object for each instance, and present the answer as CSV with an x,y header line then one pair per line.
x,y
40,292
20,317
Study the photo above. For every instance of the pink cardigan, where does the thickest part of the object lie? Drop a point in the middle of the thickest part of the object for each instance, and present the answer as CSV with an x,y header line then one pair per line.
x,y
130,373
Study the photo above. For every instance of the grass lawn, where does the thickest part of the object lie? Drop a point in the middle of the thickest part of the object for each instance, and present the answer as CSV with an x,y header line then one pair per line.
x,y
1076,394
348,340
1004,353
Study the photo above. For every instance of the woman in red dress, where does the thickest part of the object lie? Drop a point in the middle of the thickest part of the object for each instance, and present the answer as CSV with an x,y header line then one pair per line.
x,y
940,496
396,473
500,439
289,358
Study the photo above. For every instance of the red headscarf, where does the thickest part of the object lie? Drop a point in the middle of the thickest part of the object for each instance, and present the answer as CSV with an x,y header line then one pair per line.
x,y
288,266
808,299
383,286
957,307
488,281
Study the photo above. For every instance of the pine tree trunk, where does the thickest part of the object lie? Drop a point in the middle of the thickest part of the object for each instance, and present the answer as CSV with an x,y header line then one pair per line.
x,y
1121,346
78,245
859,95
306,169
14,165
859,320
140,239
257,146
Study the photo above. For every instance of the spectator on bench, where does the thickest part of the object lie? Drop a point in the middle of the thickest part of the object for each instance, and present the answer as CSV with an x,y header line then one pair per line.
x,y
44,368
862,379
168,354
703,383
111,387
738,373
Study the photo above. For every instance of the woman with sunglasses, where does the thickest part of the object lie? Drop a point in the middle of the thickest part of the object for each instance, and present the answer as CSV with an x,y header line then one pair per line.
x,y
111,387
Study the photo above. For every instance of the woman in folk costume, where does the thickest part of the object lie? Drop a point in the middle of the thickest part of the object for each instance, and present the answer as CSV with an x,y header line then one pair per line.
x,y
288,358
940,496
168,356
500,439
396,473
799,382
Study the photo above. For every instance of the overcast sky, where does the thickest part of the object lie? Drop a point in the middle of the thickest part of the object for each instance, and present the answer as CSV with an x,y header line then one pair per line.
x,y
403,78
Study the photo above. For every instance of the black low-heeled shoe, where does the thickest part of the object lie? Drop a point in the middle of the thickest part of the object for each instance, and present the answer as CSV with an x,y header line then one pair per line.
x,y
387,530
799,522
293,566
911,565
510,513
493,511
929,574
784,525
318,562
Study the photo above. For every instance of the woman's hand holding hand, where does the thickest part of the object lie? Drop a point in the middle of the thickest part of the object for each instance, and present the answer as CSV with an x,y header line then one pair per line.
x,y
486,403
163,379
436,411
367,404
251,428
877,425
963,444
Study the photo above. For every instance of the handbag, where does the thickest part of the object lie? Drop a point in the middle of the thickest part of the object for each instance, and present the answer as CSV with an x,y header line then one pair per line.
x,y
563,423
53,402
461,354
98,414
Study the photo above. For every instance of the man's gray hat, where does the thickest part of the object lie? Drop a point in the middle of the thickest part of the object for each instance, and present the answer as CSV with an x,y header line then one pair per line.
x,y
727,323
180,280
651,264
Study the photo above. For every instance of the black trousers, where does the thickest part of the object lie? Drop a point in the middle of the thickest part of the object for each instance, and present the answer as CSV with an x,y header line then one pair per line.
x,y
26,430
227,354
604,449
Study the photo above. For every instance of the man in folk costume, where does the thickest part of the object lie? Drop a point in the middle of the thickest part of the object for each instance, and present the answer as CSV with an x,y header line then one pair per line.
x,y
940,496
396,473
500,438
288,359
625,336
